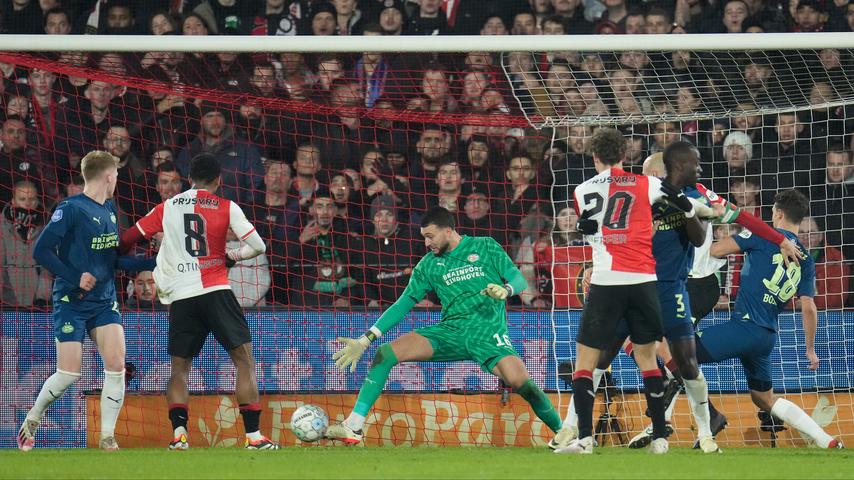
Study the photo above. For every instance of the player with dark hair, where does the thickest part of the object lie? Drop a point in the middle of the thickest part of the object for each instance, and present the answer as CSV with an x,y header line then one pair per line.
x,y
473,277
767,285
192,279
673,246
615,214
79,246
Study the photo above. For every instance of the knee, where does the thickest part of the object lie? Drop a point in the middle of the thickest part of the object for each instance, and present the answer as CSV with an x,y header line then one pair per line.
x,y
114,364
689,369
516,381
385,356
764,400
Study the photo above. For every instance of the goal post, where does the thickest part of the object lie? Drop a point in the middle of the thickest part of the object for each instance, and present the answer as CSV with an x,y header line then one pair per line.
x,y
378,129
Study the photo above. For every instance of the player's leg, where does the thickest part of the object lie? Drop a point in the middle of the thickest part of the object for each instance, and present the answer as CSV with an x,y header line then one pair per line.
x,y
223,316
757,368
178,399
605,307
69,359
679,330
187,334
68,329
110,339
512,371
412,347
644,320
569,430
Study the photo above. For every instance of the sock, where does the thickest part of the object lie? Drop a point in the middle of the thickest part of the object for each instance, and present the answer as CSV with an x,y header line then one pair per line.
x,y
584,396
571,419
178,415
53,388
653,386
112,399
251,413
697,391
541,404
373,385
794,416
254,436
355,421
668,412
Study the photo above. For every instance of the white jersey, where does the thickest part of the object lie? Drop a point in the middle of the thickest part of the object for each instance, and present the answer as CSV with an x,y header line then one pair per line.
x,y
704,263
191,259
621,203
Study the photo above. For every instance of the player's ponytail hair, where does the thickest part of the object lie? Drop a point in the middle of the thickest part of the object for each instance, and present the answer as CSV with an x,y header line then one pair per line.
x,y
97,162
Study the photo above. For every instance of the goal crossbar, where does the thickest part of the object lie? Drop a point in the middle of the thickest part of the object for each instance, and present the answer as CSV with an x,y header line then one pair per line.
x,y
462,43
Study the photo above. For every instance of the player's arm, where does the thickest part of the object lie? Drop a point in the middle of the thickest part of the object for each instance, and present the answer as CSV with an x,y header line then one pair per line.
x,y
132,263
809,313
809,318
696,230
145,228
514,281
253,245
733,214
45,248
722,248
353,348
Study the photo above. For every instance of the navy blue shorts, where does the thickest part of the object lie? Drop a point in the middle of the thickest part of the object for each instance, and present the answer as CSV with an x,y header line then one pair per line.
x,y
73,320
744,340
675,310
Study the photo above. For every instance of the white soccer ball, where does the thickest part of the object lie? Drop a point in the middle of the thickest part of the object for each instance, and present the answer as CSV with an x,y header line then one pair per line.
x,y
309,423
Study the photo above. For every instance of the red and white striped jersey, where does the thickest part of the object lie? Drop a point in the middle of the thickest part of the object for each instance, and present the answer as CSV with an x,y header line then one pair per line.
x,y
191,259
621,203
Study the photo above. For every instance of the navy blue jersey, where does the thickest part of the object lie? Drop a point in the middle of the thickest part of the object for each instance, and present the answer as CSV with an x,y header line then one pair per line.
x,y
766,283
673,251
89,243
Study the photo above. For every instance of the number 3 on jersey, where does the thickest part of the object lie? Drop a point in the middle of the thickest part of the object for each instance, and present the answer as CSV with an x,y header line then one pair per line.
x,y
783,290
617,212
194,235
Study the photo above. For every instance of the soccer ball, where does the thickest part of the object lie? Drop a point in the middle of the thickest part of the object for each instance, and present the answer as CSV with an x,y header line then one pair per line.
x,y
309,423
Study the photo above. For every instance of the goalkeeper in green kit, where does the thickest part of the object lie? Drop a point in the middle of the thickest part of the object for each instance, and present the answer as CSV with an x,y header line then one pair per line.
x,y
473,277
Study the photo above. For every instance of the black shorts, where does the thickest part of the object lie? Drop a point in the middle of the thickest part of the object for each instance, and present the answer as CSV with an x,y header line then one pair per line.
x,y
607,305
704,293
192,319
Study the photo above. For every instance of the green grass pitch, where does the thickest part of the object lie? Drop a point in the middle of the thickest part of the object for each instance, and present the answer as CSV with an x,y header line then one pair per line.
x,y
425,462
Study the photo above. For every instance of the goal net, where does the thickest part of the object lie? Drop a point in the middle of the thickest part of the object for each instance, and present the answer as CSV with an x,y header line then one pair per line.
x,y
336,156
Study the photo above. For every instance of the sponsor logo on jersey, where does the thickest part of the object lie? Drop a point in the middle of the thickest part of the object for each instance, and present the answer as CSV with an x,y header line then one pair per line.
x,y
97,220
202,202
473,258
105,241
57,216
462,273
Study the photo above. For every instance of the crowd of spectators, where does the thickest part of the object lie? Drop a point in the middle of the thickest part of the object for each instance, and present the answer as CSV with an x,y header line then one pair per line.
x,y
334,157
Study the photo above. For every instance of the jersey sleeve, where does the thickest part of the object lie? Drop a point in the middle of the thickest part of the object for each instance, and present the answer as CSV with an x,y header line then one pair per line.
x,y
151,223
238,222
747,241
807,288
419,284
62,219
655,193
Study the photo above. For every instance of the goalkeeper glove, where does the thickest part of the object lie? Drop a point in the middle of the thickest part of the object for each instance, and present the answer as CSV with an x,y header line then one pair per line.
x,y
678,199
350,354
498,292
586,225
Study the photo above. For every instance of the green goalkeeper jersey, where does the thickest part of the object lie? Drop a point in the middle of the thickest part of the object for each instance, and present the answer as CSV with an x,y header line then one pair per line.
x,y
460,275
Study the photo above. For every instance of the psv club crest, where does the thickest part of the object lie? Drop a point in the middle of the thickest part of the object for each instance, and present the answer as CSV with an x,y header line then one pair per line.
x,y
473,258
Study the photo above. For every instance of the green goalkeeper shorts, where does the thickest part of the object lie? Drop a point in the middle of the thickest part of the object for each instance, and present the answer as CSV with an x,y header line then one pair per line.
x,y
484,345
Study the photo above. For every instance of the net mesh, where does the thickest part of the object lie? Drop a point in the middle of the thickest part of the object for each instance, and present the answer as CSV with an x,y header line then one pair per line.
x,y
385,136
